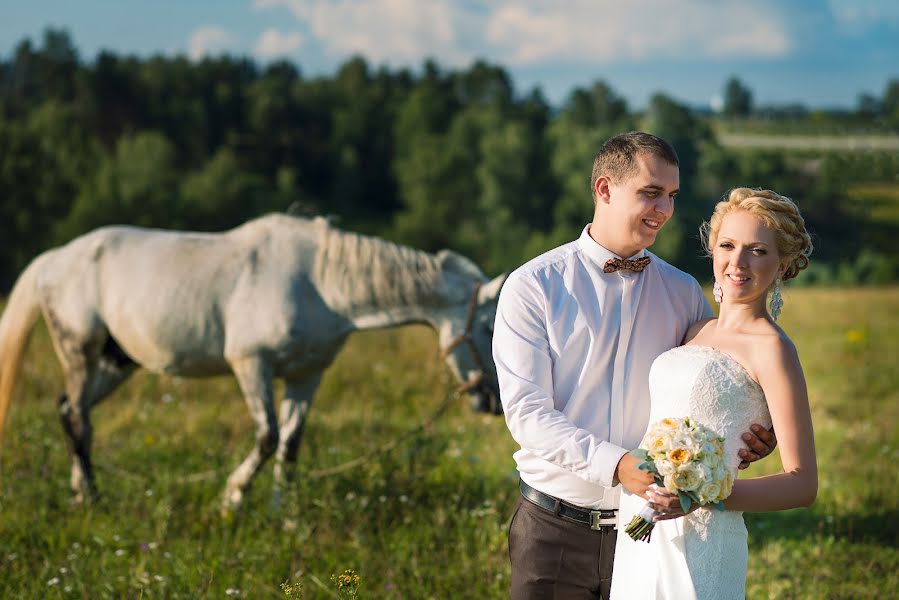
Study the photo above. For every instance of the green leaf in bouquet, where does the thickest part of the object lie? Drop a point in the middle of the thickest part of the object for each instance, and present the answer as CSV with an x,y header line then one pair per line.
x,y
639,453
685,501
718,505
647,466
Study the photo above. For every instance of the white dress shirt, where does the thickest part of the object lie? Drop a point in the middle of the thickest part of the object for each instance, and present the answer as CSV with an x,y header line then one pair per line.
x,y
573,347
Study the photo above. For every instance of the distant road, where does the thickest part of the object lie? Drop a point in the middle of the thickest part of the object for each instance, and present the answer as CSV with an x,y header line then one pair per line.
x,y
810,142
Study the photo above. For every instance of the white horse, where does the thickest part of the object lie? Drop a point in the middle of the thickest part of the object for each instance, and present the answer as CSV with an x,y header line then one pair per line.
x,y
275,297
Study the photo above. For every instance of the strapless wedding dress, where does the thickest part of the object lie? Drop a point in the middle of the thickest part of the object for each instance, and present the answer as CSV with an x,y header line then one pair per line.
x,y
701,556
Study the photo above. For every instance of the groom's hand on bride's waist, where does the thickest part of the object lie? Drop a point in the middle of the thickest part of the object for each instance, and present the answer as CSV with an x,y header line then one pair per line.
x,y
633,479
760,442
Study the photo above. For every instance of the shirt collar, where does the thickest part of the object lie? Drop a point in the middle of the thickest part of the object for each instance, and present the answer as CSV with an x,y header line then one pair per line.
x,y
598,253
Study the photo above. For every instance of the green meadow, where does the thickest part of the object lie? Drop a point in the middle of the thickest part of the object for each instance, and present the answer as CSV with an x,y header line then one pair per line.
x,y
427,519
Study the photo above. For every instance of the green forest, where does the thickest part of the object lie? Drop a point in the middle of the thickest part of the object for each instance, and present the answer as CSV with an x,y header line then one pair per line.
x,y
432,157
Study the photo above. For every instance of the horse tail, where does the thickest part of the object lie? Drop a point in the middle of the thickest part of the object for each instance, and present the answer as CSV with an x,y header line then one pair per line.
x,y
22,311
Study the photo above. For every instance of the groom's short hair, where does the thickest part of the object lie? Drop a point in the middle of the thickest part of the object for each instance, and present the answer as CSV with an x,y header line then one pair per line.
x,y
617,159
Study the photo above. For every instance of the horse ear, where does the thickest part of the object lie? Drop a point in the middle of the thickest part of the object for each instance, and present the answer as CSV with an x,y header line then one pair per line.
x,y
490,290
453,261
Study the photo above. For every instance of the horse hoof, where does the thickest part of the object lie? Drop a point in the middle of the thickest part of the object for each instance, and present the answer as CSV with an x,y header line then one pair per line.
x,y
231,504
228,514
82,498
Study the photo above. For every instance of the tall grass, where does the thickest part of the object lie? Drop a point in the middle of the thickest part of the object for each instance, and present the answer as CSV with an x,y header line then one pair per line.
x,y
426,520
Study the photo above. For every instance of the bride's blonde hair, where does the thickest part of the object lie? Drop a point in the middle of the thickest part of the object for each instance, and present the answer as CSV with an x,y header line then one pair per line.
x,y
779,213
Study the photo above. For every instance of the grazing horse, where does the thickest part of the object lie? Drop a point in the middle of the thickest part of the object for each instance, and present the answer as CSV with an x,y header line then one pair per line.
x,y
275,297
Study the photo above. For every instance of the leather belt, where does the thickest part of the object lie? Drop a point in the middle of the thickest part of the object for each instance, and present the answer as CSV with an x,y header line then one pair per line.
x,y
596,519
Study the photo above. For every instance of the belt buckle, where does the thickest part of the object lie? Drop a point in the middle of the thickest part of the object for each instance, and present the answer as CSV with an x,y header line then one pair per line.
x,y
602,518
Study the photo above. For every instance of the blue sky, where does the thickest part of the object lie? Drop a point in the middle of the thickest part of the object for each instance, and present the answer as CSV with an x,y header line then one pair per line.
x,y
820,53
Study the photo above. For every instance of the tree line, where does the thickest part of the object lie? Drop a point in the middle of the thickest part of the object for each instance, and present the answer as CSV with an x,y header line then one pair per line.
x,y
434,158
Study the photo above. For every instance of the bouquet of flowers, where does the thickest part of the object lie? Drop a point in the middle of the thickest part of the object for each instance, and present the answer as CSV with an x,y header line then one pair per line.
x,y
688,459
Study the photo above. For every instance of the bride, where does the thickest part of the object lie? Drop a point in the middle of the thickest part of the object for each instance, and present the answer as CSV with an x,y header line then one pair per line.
x,y
736,370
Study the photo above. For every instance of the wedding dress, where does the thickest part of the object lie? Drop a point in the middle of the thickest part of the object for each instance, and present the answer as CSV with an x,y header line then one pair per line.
x,y
703,555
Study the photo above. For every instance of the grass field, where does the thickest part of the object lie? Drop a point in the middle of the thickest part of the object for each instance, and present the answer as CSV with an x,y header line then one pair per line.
x,y
427,520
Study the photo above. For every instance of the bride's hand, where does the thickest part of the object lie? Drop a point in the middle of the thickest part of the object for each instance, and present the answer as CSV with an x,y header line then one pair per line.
x,y
666,504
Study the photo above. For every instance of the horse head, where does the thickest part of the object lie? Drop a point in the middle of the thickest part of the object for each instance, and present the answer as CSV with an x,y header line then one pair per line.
x,y
468,347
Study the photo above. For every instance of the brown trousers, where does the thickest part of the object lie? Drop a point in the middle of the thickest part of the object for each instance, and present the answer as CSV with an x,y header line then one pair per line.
x,y
555,558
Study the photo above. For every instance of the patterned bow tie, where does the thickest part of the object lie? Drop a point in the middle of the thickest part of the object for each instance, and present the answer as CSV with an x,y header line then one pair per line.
x,y
625,264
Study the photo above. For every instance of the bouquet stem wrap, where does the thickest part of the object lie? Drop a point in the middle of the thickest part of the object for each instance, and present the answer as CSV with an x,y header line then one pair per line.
x,y
640,527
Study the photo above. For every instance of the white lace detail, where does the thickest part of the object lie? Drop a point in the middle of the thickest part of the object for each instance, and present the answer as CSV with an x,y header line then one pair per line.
x,y
714,389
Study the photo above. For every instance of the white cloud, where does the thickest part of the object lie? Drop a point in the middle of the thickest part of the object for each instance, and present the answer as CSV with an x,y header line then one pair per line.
x,y
535,31
207,40
272,43
859,14
525,32
385,31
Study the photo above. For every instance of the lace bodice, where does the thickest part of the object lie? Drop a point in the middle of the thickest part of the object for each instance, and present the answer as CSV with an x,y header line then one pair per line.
x,y
702,556
710,387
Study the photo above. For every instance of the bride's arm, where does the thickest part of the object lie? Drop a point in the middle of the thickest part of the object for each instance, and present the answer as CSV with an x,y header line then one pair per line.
x,y
780,375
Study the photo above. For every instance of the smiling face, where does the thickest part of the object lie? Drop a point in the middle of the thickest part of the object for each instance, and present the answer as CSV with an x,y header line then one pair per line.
x,y
745,258
630,213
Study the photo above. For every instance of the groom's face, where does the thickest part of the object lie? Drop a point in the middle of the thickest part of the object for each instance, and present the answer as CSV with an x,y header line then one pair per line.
x,y
630,213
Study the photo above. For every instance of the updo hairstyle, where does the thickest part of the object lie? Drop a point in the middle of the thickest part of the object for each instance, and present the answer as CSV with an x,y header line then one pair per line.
x,y
780,215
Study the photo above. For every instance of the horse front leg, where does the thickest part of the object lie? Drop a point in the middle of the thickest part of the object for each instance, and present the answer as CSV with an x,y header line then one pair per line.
x,y
294,409
255,379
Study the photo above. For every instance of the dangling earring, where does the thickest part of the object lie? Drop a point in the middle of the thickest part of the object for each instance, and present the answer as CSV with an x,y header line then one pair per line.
x,y
777,302
717,292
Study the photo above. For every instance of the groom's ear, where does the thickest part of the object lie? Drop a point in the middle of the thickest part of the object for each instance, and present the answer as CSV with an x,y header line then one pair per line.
x,y
602,189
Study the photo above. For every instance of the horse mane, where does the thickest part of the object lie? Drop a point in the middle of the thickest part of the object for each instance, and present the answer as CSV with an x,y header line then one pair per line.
x,y
362,270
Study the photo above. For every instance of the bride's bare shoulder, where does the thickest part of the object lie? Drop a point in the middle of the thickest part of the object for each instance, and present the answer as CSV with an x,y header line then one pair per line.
x,y
775,353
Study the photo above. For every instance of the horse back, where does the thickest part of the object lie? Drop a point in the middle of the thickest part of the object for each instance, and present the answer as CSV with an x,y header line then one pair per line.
x,y
183,302
158,293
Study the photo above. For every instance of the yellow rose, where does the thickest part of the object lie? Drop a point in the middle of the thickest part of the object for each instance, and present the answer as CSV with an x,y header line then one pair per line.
x,y
680,456
728,486
670,483
657,442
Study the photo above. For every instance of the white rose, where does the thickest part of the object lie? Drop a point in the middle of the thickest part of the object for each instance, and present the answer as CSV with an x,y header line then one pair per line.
x,y
720,472
665,468
708,450
686,442
709,492
688,478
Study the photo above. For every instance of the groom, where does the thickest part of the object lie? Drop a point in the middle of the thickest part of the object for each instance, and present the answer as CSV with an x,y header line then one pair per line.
x,y
576,331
